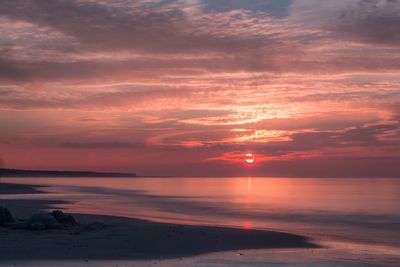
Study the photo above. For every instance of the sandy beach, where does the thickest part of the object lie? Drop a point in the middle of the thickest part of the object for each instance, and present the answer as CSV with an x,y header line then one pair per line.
x,y
117,238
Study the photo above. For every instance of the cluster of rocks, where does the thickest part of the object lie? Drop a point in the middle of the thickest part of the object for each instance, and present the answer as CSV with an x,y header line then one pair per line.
x,y
41,221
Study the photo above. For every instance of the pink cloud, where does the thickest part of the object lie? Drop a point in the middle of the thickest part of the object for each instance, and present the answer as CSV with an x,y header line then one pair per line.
x,y
169,88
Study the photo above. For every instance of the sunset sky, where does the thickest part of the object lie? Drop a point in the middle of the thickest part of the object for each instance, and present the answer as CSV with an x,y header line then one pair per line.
x,y
189,87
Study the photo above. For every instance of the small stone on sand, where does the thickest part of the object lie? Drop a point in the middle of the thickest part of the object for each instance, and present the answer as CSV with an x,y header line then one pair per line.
x,y
6,217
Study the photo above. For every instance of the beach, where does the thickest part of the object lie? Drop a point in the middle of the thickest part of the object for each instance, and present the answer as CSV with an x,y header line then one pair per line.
x,y
116,238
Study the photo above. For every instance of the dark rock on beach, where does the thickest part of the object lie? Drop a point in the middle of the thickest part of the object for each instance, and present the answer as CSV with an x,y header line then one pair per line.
x,y
6,217
63,218
42,221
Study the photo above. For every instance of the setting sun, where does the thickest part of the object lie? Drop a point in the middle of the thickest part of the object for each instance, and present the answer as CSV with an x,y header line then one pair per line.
x,y
249,159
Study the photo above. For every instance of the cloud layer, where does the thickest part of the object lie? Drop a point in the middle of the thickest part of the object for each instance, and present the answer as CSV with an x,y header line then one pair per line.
x,y
187,87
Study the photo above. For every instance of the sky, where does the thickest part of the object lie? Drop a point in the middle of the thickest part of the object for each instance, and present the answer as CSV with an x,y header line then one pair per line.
x,y
188,87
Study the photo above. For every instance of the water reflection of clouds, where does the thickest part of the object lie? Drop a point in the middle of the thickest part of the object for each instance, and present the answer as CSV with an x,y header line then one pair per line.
x,y
220,208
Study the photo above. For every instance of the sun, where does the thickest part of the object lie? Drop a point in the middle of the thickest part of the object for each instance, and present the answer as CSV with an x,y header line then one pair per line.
x,y
249,159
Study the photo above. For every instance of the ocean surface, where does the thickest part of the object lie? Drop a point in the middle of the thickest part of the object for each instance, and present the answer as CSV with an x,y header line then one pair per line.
x,y
357,221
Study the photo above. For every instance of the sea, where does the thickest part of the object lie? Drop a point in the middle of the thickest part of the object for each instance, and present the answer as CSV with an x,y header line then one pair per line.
x,y
356,221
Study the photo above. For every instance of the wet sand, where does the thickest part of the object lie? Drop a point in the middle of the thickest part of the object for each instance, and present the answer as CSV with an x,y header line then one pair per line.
x,y
113,238
16,189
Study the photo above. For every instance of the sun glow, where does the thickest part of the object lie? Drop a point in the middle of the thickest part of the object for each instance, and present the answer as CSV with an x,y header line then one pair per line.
x,y
249,159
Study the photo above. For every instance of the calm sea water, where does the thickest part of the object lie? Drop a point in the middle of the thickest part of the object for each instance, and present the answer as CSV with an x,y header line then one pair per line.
x,y
361,214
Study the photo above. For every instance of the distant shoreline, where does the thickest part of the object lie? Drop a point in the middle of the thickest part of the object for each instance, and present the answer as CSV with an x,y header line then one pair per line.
x,y
46,173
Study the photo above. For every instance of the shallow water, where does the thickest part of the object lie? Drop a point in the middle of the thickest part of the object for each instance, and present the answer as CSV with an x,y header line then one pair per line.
x,y
357,215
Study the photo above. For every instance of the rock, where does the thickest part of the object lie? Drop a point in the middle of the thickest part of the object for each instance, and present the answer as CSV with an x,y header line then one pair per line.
x,y
62,218
6,217
42,221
